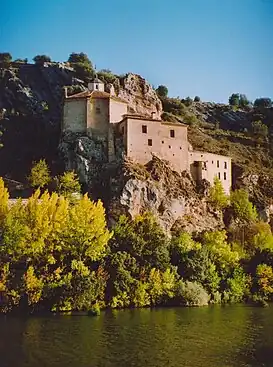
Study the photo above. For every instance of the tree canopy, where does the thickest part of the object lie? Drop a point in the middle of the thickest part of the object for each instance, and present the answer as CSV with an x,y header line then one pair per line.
x,y
40,59
263,102
162,91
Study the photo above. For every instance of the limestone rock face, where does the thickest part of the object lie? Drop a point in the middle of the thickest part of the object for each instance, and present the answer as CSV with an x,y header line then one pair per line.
x,y
84,155
141,97
173,198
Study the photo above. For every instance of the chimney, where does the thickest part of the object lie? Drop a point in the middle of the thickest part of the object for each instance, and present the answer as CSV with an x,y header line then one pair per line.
x,y
65,92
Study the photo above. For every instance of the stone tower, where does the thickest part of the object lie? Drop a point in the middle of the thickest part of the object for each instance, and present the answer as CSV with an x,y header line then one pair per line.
x,y
96,84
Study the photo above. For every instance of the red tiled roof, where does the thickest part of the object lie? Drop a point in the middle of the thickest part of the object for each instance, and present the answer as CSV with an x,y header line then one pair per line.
x,y
84,94
95,94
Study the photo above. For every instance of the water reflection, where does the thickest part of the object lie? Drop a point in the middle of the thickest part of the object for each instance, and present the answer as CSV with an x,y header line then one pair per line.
x,y
208,337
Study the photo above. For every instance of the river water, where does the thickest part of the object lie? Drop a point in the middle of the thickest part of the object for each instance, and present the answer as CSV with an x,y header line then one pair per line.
x,y
231,336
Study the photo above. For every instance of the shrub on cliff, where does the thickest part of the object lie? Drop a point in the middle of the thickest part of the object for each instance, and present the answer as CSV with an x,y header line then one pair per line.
x,y
82,65
39,174
243,209
162,91
68,184
217,195
263,102
5,58
40,59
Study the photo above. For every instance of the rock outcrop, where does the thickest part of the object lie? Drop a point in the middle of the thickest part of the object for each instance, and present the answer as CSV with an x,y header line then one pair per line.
x,y
172,197
139,94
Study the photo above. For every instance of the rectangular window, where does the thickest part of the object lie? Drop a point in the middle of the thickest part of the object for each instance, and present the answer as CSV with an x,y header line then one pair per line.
x,y
144,129
212,162
97,109
172,133
225,165
219,175
225,175
150,142
217,164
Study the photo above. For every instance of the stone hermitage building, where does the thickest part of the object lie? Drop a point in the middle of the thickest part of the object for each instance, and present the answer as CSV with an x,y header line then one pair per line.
x,y
103,116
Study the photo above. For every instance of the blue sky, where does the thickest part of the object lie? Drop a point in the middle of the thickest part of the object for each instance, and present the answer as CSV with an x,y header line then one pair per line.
x,y
209,48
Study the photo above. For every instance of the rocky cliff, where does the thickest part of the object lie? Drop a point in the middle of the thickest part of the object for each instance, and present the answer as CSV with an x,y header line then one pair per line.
x,y
31,99
31,113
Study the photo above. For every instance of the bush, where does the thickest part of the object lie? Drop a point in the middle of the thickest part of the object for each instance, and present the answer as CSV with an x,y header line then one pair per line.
x,y
238,286
264,281
192,294
68,184
40,59
5,57
259,129
187,101
197,99
263,102
173,105
243,209
82,65
217,195
162,91
40,174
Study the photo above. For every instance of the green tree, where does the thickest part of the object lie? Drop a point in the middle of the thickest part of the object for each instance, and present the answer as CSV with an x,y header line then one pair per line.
x,y
260,130
40,174
187,101
243,209
5,57
220,250
217,195
264,281
162,91
82,65
197,99
68,184
243,101
40,59
238,286
234,100
144,239
263,102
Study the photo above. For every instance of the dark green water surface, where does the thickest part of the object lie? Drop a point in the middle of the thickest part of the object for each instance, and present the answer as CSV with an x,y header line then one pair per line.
x,y
231,336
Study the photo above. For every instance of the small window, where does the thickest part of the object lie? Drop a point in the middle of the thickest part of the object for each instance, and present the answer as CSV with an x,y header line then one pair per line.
x,y
219,175
180,148
225,175
201,155
225,165
97,109
97,86
217,164
150,142
212,162
162,142
173,154
172,133
169,147
144,129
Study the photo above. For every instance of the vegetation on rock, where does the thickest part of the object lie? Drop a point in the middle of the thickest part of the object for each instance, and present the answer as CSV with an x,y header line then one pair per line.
x,y
58,255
